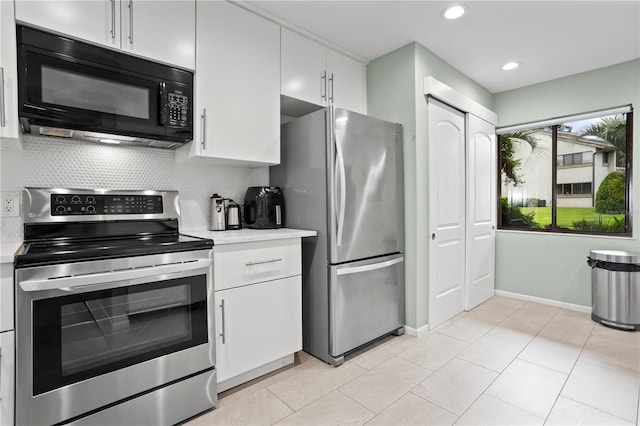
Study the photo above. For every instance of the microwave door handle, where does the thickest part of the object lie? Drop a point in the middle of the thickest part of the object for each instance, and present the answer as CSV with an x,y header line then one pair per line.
x,y
162,102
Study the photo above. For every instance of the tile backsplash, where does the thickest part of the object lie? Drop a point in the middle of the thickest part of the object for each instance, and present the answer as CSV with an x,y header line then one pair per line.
x,y
49,162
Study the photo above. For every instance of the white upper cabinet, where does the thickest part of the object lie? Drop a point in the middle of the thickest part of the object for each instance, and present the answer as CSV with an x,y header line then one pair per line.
x,y
304,68
159,30
237,86
314,73
9,127
163,30
347,82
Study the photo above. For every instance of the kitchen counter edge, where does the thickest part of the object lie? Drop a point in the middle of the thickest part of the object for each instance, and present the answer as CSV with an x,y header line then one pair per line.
x,y
248,235
7,250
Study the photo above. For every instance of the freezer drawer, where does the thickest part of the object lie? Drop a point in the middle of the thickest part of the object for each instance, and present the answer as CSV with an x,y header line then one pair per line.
x,y
366,301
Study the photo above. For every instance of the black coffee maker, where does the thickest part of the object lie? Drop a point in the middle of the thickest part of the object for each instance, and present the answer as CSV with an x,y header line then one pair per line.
x,y
264,207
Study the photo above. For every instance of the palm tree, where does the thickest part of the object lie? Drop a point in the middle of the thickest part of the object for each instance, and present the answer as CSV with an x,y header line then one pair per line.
x,y
612,129
509,165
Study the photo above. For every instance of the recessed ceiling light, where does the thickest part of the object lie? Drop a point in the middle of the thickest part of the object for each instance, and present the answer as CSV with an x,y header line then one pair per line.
x,y
453,12
510,66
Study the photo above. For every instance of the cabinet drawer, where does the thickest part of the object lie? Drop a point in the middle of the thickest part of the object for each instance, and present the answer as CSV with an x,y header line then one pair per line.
x,y
253,262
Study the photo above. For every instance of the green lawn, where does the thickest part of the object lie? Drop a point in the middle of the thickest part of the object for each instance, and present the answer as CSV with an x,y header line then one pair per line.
x,y
567,215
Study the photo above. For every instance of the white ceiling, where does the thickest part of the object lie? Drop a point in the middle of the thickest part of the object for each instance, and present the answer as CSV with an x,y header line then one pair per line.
x,y
552,39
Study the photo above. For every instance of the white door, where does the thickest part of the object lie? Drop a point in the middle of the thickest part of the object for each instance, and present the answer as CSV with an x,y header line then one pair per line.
x,y
94,21
481,211
257,324
161,30
347,86
9,125
237,85
303,64
446,146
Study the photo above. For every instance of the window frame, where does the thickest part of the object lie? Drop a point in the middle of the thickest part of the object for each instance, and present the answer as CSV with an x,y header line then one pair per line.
x,y
553,228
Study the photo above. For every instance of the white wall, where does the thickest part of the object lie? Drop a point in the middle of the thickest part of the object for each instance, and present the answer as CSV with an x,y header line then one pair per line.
x,y
51,162
554,266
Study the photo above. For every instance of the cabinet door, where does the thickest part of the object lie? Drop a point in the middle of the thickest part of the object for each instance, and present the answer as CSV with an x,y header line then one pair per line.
x,y
237,85
95,21
160,30
257,324
8,74
303,68
347,85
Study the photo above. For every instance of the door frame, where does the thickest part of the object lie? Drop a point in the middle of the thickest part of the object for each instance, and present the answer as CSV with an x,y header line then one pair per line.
x,y
445,94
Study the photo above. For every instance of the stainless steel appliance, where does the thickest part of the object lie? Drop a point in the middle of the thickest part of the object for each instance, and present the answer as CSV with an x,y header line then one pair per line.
x,y
217,221
342,175
264,207
73,89
112,325
233,215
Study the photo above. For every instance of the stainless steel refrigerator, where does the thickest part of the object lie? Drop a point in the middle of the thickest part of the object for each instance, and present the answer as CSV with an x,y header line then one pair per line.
x,y
342,175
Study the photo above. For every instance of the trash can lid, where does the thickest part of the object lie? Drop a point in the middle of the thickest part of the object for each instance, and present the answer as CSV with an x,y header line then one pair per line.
x,y
615,256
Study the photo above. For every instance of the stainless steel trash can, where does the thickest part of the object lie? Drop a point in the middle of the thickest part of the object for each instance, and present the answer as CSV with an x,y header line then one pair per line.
x,y
615,288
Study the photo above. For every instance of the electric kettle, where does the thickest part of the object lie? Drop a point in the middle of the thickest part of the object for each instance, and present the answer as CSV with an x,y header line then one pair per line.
x,y
217,213
233,215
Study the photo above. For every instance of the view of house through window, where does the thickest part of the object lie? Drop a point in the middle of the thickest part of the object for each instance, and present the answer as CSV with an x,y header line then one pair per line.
x,y
568,177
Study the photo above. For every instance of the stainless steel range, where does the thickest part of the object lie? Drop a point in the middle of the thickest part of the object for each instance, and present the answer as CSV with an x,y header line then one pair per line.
x,y
112,325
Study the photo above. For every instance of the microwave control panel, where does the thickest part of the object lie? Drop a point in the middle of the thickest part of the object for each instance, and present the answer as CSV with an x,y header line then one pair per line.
x,y
83,204
178,109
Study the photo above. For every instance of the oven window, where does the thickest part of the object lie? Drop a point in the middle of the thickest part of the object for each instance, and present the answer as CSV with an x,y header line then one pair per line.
x,y
84,335
72,89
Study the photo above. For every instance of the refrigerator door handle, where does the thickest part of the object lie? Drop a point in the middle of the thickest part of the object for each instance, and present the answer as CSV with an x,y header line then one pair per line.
x,y
371,267
340,172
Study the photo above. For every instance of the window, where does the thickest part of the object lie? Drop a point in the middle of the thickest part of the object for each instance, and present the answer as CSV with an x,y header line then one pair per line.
x,y
568,175
575,159
573,188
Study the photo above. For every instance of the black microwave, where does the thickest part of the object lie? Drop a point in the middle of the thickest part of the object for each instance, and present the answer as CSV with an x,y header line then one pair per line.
x,y
74,89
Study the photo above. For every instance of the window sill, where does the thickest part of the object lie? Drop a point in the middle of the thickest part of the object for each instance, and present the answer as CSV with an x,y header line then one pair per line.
x,y
565,234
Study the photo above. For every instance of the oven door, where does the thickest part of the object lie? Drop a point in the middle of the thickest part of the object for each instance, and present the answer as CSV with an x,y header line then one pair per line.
x,y
94,334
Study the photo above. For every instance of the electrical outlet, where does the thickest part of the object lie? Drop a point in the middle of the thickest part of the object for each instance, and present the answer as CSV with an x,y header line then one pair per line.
x,y
10,204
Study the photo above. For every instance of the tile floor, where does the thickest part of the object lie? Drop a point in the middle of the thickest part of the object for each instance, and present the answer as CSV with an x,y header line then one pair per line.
x,y
505,362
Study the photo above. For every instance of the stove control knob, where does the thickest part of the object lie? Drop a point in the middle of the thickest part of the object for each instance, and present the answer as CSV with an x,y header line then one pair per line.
x,y
75,200
90,199
61,199
91,210
61,210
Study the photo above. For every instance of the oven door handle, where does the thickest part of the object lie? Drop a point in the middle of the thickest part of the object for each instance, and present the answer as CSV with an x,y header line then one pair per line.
x,y
80,282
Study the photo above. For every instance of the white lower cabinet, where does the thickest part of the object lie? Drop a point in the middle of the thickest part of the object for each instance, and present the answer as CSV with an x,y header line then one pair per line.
x,y
256,325
258,321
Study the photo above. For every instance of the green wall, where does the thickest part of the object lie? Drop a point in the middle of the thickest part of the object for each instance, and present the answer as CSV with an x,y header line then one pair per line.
x,y
554,266
535,264
395,92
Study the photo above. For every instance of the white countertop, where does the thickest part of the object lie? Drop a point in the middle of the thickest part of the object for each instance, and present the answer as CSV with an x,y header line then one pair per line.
x,y
7,250
247,235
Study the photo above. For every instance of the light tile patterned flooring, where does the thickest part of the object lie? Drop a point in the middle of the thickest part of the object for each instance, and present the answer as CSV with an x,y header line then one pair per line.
x,y
505,362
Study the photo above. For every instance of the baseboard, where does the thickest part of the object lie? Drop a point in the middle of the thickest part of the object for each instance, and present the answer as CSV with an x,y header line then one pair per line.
x,y
417,332
551,302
